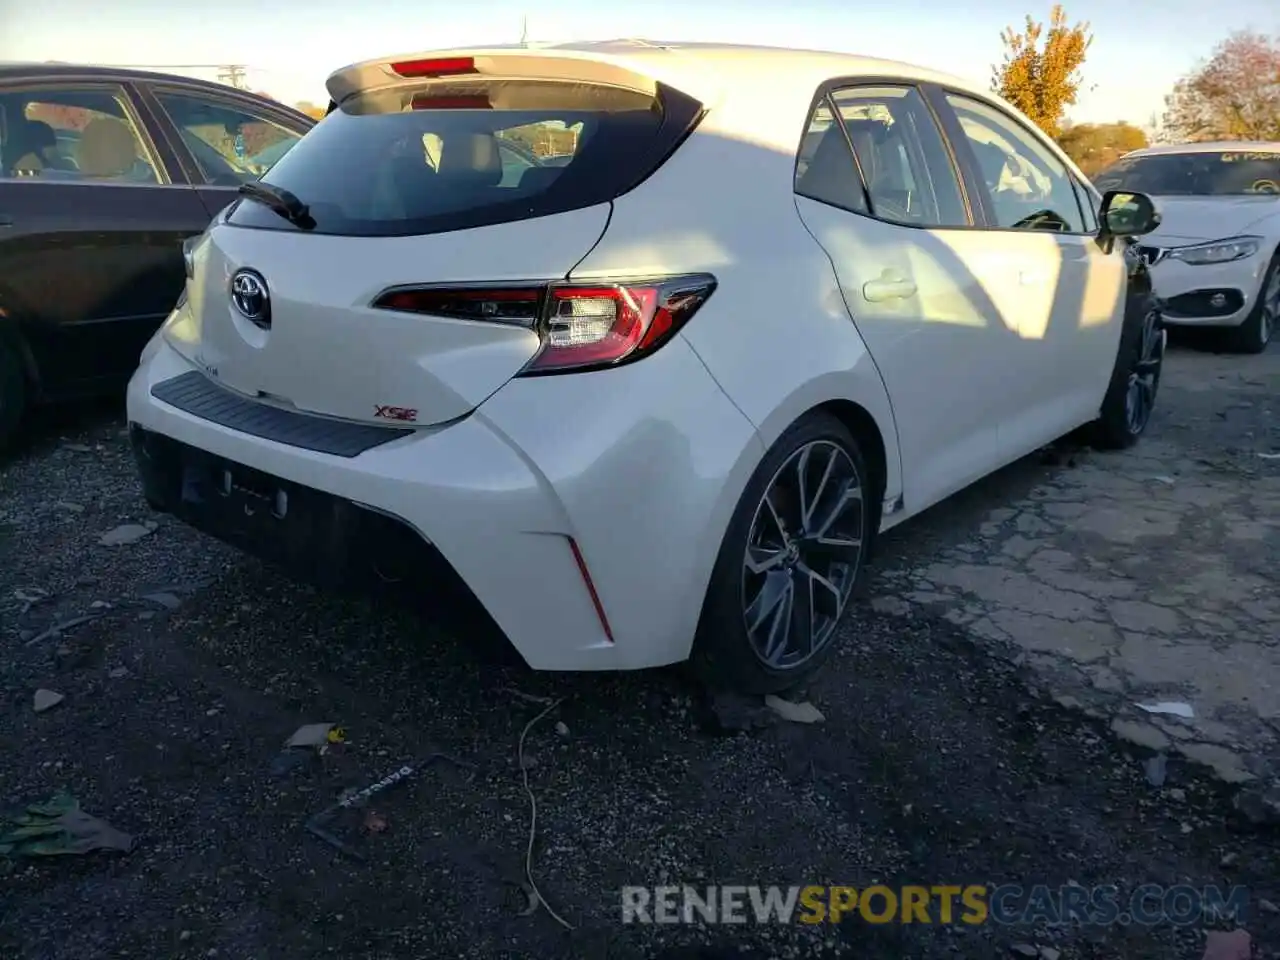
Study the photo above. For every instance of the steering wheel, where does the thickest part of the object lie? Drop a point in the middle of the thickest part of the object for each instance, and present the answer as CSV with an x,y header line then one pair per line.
x,y
891,210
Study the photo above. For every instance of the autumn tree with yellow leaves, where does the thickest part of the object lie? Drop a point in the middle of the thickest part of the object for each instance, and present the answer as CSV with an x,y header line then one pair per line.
x,y
1096,146
1041,78
310,109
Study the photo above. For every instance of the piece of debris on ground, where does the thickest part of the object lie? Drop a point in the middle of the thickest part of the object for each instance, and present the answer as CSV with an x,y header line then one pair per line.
x,y
804,712
58,827
311,735
46,700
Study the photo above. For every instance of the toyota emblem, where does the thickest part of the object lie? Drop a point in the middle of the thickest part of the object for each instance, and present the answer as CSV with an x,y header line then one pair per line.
x,y
249,294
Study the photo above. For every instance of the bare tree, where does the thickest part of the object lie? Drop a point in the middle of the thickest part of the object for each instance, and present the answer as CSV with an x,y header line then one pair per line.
x,y
1235,95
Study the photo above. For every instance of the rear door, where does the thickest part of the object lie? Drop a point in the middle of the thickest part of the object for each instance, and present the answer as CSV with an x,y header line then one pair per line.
x,y
416,282
92,217
222,139
877,187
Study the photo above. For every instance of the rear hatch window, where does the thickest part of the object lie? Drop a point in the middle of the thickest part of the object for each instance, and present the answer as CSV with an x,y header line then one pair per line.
x,y
437,156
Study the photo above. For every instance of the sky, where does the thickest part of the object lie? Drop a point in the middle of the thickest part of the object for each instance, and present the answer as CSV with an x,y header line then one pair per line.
x,y
291,46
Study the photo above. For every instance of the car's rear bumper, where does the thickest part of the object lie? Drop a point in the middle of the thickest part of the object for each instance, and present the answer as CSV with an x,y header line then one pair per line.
x,y
513,512
1212,295
326,540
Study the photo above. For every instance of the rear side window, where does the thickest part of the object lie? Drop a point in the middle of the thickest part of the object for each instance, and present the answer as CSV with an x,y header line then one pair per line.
x,y
904,161
69,133
825,169
902,172
443,156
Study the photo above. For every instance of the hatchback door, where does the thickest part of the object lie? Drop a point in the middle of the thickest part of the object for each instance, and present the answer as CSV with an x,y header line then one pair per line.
x,y
413,283
91,229
325,347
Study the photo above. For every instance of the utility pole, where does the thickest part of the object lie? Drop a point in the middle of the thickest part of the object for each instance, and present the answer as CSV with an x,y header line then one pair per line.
x,y
232,75
524,31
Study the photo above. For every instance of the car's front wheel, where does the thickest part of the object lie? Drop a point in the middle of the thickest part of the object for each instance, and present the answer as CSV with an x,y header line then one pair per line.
x,y
1254,334
789,562
1135,380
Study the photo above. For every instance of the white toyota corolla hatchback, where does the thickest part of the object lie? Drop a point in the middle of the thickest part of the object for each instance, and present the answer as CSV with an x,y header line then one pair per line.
x,y
648,382
1215,258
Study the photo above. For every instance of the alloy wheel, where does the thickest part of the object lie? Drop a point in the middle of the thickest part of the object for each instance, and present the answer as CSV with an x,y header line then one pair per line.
x,y
1144,375
1270,306
803,553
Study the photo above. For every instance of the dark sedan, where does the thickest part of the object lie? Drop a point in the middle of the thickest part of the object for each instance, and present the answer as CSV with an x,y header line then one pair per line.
x,y
103,174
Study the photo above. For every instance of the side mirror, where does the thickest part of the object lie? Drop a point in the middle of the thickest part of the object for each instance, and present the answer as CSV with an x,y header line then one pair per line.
x,y
1126,214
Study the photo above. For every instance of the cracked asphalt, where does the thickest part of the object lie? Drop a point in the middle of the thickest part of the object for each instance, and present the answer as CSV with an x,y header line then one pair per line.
x,y
1145,576
981,726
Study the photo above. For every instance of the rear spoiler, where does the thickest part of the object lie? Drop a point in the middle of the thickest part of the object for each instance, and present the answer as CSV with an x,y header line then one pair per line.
x,y
518,64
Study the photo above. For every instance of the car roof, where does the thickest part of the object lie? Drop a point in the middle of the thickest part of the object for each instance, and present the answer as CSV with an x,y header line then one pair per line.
x,y
1215,146
756,93
50,70
57,69
699,68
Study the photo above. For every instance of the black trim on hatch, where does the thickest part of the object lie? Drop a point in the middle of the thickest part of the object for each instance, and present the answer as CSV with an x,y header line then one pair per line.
x,y
196,394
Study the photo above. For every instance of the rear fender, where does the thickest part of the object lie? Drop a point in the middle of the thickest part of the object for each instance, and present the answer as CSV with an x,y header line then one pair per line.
x,y
862,387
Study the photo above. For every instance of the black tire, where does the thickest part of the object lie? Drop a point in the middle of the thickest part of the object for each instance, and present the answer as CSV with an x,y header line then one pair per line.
x,y
1140,356
13,391
1254,334
724,656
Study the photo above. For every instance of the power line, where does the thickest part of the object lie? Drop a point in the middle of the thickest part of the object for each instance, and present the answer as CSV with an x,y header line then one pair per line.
x,y
232,75
167,66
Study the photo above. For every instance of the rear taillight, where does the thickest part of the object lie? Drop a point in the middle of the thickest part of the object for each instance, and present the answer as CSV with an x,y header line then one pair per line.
x,y
435,67
518,305
581,326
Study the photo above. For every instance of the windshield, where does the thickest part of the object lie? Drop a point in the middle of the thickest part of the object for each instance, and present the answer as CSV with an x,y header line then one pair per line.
x,y
1210,174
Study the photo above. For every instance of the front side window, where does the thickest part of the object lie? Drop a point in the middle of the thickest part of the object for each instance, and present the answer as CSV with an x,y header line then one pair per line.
x,y
77,135
1028,187
1089,204
230,145
1218,173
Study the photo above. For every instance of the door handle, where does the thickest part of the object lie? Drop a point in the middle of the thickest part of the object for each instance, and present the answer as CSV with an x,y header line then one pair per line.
x,y
888,287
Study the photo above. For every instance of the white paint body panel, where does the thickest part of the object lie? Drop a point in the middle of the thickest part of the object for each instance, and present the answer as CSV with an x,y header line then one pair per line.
x,y
641,489
643,465
330,352
1190,220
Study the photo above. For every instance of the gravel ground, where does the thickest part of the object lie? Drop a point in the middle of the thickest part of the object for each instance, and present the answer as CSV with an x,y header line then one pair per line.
x,y
936,764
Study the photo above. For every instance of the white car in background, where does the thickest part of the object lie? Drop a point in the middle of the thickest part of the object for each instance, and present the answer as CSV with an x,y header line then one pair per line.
x,y
1215,258
653,403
